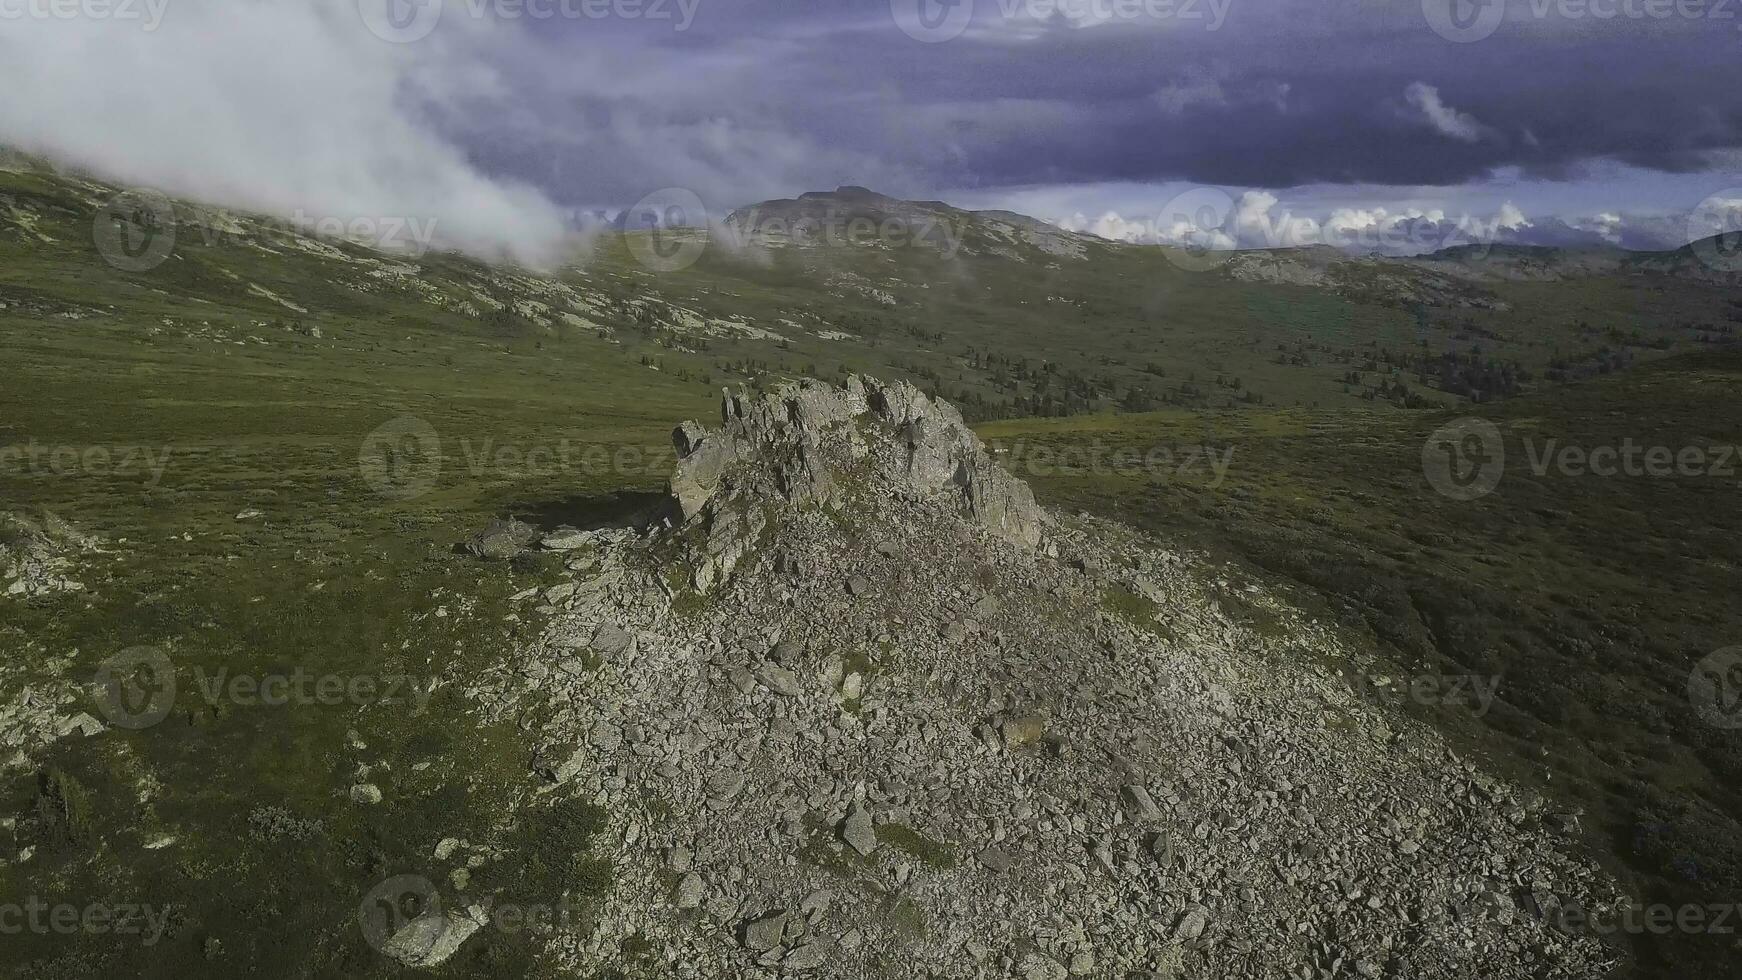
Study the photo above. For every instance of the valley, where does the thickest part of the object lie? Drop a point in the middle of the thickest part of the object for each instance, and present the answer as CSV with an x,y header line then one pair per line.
x,y
299,437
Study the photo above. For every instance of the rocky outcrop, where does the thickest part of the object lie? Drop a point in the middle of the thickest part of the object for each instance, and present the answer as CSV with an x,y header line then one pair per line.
x,y
809,443
897,733
38,558
502,540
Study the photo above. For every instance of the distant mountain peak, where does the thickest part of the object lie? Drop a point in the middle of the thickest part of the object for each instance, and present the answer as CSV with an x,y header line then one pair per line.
x,y
819,216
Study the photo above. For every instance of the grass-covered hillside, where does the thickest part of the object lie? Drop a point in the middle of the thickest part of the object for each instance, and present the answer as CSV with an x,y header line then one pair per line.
x,y
1589,599
275,442
993,310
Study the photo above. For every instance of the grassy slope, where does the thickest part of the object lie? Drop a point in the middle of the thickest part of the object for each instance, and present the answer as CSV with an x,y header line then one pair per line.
x,y
333,578
258,414
1591,597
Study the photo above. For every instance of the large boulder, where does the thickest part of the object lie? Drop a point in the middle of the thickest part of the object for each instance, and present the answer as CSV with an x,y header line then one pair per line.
x,y
794,443
502,540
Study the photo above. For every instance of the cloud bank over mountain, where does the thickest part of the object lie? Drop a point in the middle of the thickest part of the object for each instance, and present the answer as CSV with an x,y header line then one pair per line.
x,y
1210,218
506,118
288,108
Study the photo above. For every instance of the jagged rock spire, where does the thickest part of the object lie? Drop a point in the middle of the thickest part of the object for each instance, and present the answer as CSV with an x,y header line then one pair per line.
x,y
794,442
810,443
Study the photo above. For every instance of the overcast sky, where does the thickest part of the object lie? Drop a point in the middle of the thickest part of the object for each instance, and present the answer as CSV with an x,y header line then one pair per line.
x,y
1558,121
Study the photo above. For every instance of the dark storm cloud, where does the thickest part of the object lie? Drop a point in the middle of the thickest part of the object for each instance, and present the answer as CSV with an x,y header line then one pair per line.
x,y
509,112
758,98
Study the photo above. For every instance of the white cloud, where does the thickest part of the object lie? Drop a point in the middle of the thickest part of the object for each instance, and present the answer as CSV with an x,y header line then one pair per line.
x,y
282,106
1511,218
1254,225
1110,225
1607,226
1444,119
1257,219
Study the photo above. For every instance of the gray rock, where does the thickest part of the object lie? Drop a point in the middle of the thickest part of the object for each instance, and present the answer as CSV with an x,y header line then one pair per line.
x,y
1020,730
567,539
726,784
1138,800
1192,924
680,859
779,680
1160,848
995,859
702,463
689,891
787,652
430,940
612,641
502,540
82,723
857,831
807,957
853,686
1073,865
766,933
816,903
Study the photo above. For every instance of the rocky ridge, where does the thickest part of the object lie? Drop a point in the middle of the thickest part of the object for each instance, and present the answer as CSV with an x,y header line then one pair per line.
x,y
887,718
38,558
809,445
